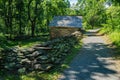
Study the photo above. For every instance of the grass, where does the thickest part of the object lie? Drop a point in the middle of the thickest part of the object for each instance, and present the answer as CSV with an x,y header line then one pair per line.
x,y
52,74
23,43
114,37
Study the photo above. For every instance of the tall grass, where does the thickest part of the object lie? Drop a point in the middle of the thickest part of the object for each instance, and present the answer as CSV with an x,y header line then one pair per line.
x,y
115,37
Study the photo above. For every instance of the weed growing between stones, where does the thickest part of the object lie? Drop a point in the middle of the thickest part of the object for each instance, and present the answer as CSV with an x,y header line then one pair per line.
x,y
41,57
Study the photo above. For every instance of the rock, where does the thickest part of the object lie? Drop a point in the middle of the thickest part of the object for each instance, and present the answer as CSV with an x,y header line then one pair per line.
x,y
47,43
77,33
6,67
30,57
63,54
22,70
37,67
43,61
58,61
43,57
6,50
25,52
11,59
34,61
37,57
18,65
43,48
66,50
30,50
15,49
42,45
21,57
53,59
18,59
25,61
43,67
38,45
60,56
20,54
37,53
10,65
47,66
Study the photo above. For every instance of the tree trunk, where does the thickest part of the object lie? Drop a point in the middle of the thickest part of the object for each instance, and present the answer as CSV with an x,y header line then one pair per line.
x,y
32,20
10,17
33,29
20,24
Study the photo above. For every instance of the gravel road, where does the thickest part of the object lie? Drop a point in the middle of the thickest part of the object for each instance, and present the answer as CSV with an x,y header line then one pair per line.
x,y
93,62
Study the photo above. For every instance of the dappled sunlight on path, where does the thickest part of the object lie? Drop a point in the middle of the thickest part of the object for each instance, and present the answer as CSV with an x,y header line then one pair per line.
x,y
94,62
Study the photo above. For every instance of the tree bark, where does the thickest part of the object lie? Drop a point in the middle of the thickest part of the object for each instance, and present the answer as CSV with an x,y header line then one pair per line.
x,y
32,20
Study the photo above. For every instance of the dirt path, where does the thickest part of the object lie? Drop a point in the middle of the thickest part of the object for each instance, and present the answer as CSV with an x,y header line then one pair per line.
x,y
94,62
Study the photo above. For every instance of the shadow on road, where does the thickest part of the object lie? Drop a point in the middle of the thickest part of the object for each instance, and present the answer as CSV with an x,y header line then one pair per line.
x,y
94,62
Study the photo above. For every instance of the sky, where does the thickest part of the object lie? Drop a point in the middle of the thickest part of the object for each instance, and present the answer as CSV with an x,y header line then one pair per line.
x,y
73,1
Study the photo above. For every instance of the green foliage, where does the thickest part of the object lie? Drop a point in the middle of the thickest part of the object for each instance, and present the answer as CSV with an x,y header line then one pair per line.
x,y
29,17
51,75
2,38
113,17
115,37
112,25
96,14
2,41
93,12
25,18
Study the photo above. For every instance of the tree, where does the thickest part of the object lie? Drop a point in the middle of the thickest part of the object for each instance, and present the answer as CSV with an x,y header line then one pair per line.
x,y
29,17
19,14
92,11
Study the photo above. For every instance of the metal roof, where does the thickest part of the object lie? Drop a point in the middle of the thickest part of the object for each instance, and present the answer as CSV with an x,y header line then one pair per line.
x,y
66,21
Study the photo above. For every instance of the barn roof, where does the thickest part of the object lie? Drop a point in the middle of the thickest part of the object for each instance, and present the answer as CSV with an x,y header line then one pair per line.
x,y
66,21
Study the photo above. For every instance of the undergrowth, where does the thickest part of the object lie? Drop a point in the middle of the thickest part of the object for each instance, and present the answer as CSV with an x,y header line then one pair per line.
x,y
53,74
114,36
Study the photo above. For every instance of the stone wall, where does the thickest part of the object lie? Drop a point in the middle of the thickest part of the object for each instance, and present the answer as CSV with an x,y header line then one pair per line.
x,y
41,57
56,32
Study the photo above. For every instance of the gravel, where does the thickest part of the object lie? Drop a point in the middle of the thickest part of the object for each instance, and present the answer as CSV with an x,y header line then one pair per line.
x,y
93,62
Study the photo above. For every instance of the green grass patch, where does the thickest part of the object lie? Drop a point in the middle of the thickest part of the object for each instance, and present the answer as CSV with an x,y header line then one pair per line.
x,y
23,43
114,36
52,74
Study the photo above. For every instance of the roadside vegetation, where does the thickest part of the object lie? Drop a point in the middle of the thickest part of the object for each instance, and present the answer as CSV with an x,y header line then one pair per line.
x,y
24,23
61,61
112,26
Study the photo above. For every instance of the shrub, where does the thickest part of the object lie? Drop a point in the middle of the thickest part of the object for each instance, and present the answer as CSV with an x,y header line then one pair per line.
x,y
115,37
2,38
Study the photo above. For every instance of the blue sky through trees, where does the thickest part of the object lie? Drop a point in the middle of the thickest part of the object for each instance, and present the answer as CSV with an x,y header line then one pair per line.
x,y
73,1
